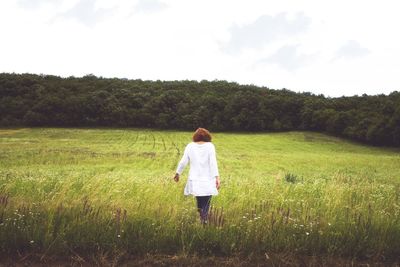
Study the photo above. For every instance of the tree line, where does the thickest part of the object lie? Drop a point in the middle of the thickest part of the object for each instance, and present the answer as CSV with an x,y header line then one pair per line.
x,y
89,101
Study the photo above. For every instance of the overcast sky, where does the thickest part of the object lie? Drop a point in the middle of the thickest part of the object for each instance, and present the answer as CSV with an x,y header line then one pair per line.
x,y
341,47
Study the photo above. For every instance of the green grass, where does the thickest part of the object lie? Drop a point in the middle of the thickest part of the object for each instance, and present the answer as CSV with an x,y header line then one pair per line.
x,y
83,191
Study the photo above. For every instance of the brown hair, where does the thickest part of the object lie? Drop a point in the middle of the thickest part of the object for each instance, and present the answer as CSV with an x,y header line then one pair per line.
x,y
201,134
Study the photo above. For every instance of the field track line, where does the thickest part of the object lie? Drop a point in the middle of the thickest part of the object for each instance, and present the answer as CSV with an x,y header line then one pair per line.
x,y
163,142
154,140
132,144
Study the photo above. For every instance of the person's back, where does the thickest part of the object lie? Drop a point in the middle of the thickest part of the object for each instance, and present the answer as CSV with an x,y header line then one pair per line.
x,y
203,169
199,155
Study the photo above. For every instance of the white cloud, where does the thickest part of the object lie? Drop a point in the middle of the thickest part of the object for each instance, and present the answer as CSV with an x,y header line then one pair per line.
x,y
266,29
33,4
288,57
150,6
350,50
85,12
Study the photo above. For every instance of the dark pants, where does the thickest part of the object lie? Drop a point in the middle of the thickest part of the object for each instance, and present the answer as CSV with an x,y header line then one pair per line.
x,y
203,206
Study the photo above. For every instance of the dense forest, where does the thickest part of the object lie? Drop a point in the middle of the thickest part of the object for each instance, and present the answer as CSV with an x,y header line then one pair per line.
x,y
46,100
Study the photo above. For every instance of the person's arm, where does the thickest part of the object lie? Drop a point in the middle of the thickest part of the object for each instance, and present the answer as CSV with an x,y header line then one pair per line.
x,y
214,166
217,182
182,164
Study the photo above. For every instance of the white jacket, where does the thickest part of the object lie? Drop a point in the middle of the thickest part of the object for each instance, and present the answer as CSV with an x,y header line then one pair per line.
x,y
203,169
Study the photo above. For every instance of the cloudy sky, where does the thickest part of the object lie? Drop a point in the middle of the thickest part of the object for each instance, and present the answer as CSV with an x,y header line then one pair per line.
x,y
335,48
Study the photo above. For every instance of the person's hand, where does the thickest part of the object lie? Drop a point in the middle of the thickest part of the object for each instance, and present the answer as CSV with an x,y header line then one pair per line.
x,y
176,177
218,183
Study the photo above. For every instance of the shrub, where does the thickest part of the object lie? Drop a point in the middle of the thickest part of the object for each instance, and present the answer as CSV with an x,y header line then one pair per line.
x,y
291,178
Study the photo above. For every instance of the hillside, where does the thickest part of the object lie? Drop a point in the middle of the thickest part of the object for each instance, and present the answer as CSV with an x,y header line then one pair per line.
x,y
43,100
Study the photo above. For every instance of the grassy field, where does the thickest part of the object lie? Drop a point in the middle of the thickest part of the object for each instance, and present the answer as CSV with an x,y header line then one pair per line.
x,y
109,191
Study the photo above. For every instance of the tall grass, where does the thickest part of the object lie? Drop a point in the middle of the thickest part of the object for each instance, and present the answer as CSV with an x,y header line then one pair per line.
x,y
77,191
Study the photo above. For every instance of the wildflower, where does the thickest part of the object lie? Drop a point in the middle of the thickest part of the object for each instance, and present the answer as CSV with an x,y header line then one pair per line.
x,y
307,233
119,236
31,241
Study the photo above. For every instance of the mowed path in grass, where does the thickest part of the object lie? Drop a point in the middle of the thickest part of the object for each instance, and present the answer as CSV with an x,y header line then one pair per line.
x,y
132,169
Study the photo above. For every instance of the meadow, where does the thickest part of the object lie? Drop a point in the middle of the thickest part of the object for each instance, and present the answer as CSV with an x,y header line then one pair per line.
x,y
111,192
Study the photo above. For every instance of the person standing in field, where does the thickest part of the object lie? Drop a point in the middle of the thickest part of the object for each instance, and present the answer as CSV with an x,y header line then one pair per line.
x,y
203,181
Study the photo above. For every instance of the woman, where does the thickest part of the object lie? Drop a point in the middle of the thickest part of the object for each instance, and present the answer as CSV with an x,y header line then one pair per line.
x,y
203,181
